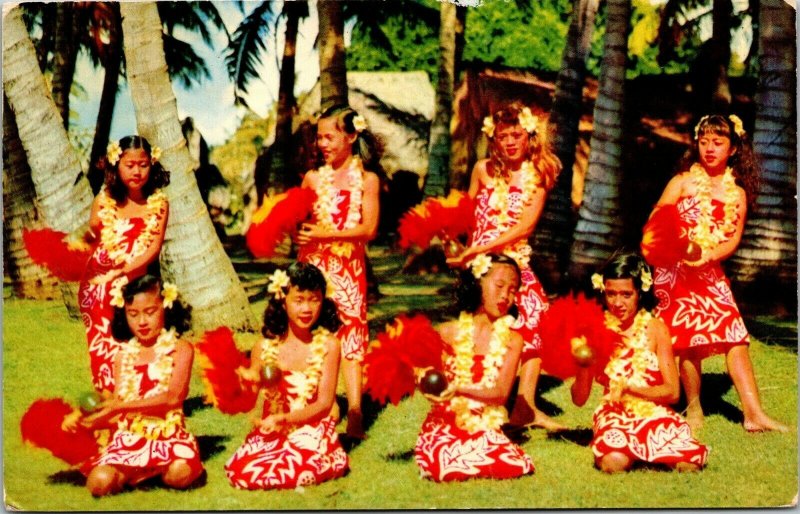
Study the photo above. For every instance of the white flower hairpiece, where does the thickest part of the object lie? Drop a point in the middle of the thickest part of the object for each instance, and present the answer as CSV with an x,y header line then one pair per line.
x,y
359,123
170,293
528,121
738,126
480,265
488,126
647,280
697,127
113,153
155,154
116,291
277,281
598,283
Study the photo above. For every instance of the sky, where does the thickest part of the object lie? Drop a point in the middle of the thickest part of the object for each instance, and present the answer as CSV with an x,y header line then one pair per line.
x,y
210,103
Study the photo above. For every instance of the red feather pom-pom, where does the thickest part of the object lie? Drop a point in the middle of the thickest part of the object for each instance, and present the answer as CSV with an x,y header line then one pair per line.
x,y
445,217
219,358
41,427
408,343
277,217
47,248
664,239
569,317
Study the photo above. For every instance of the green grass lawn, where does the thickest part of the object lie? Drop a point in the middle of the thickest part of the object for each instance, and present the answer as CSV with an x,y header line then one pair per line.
x,y
44,355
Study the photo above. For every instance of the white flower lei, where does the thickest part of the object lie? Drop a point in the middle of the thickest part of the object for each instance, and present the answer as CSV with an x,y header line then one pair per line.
x,y
305,386
487,417
326,195
114,228
128,388
706,233
616,369
500,193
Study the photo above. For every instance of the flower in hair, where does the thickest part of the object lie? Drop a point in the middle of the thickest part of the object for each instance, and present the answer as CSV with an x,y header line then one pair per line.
x,y
697,127
738,126
116,291
277,281
359,123
480,265
170,293
528,120
488,126
647,280
155,154
113,153
598,283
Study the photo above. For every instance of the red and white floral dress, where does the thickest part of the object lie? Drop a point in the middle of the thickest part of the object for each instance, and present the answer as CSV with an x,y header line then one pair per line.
x,y
120,241
342,263
641,429
296,455
461,438
696,303
531,299
145,446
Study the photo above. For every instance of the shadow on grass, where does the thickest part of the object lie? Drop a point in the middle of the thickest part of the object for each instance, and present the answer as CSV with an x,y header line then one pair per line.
x,y
714,387
370,409
402,456
192,404
579,436
772,334
67,476
210,445
546,383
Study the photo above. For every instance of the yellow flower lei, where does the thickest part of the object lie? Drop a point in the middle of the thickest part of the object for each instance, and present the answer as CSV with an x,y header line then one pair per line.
x,y
128,388
642,359
472,415
114,228
304,387
326,202
706,233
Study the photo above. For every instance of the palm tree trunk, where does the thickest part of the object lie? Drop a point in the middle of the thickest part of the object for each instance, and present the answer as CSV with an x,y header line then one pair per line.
x,y
19,211
62,194
722,15
332,67
768,251
436,181
553,236
599,228
192,255
65,55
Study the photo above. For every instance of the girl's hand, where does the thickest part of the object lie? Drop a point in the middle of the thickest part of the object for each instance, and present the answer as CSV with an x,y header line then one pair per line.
x,y
460,260
247,374
100,417
272,423
71,420
308,233
444,396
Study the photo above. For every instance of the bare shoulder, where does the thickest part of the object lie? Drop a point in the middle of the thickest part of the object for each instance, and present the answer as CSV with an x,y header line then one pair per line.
x,y
657,327
370,178
515,340
184,349
448,331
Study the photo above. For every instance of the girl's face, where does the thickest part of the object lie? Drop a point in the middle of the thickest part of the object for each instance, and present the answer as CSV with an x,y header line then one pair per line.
x,y
622,299
303,307
335,144
134,168
498,290
145,315
714,149
511,141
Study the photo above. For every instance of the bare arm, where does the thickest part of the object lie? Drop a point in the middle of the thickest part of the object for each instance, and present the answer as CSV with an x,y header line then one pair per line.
x,y
581,388
673,191
138,266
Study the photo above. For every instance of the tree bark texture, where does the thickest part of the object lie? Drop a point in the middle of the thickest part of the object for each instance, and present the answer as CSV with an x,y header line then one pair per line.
x,y
332,67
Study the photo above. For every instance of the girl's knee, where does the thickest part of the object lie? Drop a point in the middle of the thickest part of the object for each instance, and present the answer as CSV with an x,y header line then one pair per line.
x,y
686,467
180,474
614,462
104,480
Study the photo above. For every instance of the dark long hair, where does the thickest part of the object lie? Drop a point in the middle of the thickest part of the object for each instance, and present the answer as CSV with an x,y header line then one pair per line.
x,y
469,293
631,265
305,277
743,161
367,145
179,316
159,177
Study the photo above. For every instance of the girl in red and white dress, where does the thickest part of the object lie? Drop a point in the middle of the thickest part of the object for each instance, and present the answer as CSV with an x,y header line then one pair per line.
x,y
345,218
295,441
461,436
634,422
151,372
127,223
510,189
712,192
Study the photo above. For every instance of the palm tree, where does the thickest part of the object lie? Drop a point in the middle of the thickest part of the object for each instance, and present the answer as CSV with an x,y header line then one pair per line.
x,y
553,234
768,251
20,211
192,255
65,57
599,227
332,67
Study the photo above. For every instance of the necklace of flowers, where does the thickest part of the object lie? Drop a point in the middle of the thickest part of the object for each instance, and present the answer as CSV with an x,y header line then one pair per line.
x,y
326,195
305,388
618,371
500,195
114,228
706,233
464,348
128,388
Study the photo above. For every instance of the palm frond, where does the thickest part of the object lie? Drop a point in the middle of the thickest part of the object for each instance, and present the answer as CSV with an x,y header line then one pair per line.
x,y
243,54
183,63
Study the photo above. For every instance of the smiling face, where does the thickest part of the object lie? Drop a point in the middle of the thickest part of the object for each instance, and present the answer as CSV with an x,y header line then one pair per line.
x,y
622,299
303,308
145,315
511,141
134,168
333,142
498,289
714,149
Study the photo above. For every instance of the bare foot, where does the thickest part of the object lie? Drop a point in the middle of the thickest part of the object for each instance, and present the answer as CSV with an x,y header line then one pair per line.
x,y
695,422
542,420
355,428
764,424
684,467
